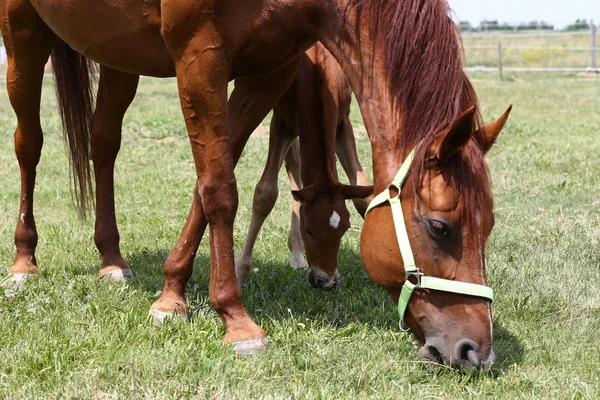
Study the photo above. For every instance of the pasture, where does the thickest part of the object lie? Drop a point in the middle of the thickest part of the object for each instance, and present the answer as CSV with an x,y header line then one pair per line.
x,y
531,50
68,334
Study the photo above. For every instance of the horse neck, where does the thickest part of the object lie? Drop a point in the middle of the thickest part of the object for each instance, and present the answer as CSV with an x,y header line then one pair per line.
x,y
315,122
316,164
364,66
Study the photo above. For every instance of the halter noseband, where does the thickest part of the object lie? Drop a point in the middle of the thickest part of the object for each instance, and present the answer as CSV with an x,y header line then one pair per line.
x,y
419,281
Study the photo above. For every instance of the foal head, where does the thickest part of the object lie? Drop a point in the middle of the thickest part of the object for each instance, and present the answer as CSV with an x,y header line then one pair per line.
x,y
324,219
448,214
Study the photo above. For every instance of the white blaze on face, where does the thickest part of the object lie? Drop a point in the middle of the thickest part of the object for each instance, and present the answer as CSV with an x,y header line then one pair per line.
x,y
334,220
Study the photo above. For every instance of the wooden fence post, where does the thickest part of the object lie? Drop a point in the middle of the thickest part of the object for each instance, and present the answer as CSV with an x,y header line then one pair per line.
x,y
500,60
593,46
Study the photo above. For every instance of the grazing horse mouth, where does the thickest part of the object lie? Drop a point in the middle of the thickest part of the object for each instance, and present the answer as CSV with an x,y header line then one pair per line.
x,y
318,282
434,358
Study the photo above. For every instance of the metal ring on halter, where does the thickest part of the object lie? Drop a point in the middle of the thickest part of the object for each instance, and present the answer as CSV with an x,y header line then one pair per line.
x,y
417,274
395,186
402,327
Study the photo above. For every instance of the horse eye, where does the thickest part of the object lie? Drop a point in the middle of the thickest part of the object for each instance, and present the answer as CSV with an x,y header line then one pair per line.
x,y
309,233
439,228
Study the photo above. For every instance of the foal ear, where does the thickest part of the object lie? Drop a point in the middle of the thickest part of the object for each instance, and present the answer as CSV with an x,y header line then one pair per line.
x,y
357,192
305,194
453,138
489,133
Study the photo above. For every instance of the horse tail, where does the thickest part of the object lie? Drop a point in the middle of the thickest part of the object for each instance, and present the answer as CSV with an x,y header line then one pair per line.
x,y
73,78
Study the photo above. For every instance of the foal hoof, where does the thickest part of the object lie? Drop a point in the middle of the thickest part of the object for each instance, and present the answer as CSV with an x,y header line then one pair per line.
x,y
297,261
116,274
14,281
251,347
160,317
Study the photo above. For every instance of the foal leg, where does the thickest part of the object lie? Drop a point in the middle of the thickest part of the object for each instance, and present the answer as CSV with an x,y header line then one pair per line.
x,y
266,192
295,242
28,44
116,91
345,147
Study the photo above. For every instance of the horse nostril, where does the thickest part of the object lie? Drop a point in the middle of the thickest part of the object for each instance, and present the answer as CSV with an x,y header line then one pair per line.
x,y
435,354
432,353
467,354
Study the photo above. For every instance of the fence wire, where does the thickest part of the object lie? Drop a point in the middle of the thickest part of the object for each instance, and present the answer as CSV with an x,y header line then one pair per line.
x,y
532,52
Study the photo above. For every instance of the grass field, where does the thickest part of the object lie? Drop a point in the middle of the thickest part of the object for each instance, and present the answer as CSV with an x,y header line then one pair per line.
x,y
67,334
547,50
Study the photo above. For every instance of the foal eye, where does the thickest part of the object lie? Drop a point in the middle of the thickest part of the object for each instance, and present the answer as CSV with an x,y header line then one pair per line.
x,y
439,228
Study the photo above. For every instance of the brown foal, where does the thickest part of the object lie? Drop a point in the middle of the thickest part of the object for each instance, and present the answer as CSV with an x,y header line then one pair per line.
x,y
403,60
316,108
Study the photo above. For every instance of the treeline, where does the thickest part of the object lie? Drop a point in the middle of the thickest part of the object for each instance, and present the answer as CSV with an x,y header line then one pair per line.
x,y
494,25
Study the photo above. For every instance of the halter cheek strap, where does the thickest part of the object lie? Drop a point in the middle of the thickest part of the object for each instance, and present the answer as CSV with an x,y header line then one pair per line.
x,y
414,279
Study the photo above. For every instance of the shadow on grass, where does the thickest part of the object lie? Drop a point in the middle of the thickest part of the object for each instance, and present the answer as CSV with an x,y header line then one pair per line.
x,y
509,350
274,291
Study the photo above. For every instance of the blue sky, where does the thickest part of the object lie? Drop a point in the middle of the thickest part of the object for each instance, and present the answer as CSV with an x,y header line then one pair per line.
x,y
557,12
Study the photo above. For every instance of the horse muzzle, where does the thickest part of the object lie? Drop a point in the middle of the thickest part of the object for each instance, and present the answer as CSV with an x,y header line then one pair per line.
x,y
464,354
318,282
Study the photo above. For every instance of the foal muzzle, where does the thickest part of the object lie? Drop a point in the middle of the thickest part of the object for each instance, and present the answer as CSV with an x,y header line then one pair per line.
x,y
318,282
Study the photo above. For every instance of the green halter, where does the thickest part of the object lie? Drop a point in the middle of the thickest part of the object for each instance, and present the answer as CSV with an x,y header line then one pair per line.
x,y
419,281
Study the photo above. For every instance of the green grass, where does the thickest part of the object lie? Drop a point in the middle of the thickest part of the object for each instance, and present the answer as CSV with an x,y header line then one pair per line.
x,y
67,334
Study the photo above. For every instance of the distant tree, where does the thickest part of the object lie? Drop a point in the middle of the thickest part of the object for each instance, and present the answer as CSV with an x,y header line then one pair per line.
x,y
580,24
494,25
532,25
465,26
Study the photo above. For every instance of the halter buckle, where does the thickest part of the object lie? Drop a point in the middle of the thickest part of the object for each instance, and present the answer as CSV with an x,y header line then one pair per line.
x,y
417,277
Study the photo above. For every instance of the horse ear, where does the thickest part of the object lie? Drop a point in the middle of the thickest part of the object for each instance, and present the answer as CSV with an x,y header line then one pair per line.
x,y
356,191
453,138
305,194
489,133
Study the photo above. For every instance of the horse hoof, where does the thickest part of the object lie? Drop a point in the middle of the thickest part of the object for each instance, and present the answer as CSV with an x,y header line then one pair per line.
x,y
117,275
251,347
15,281
160,317
297,261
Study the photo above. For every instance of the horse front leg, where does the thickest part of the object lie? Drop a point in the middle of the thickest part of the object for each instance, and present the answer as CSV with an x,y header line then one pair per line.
x,y
116,91
202,79
28,43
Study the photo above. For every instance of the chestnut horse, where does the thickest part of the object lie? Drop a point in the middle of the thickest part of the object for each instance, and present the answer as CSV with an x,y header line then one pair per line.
x,y
403,59
316,107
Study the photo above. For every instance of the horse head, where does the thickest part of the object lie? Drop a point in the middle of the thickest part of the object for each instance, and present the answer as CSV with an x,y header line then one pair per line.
x,y
324,219
446,216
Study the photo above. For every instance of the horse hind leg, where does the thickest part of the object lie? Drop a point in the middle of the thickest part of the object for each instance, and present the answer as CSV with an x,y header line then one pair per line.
x,y
266,192
28,45
116,91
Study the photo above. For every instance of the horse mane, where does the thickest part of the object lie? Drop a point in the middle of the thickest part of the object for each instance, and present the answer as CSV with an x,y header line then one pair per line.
x,y
429,88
